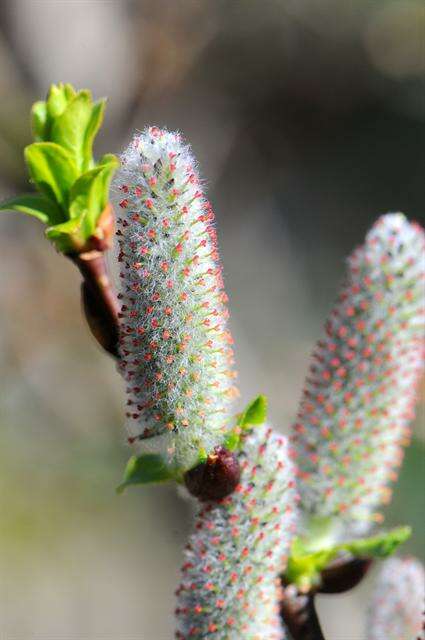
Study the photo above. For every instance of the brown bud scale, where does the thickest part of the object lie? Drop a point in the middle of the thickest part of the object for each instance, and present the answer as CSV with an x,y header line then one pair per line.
x,y
215,478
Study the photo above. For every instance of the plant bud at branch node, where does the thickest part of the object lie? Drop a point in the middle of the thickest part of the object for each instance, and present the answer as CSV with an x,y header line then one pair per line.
x,y
215,478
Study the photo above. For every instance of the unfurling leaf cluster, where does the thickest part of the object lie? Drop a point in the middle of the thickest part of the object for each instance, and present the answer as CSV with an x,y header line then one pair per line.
x,y
72,189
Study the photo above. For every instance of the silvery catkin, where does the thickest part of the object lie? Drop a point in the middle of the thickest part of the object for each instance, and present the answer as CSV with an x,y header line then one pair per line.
x,y
176,353
359,397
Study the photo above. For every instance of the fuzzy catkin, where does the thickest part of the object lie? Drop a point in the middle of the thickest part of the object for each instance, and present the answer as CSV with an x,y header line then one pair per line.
x,y
229,587
359,396
176,353
397,610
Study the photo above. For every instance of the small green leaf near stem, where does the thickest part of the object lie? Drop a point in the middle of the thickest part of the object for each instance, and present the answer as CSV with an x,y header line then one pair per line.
x,y
145,469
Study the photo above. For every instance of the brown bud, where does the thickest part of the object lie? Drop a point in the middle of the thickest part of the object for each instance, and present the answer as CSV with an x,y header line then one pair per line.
x,y
343,575
215,478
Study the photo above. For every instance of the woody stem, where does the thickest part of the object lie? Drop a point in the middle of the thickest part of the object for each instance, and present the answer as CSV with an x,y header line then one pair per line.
x,y
299,614
99,300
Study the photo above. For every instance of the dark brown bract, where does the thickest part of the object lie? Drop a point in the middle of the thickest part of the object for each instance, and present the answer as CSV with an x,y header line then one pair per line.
x,y
215,478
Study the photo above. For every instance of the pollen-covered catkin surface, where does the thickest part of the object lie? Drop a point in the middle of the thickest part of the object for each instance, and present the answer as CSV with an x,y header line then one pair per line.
x,y
359,397
397,609
230,588
175,347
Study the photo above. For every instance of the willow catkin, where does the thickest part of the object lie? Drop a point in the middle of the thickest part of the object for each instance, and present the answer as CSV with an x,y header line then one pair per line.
x,y
359,397
176,353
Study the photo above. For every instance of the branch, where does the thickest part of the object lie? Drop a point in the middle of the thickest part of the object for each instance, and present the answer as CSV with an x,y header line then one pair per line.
x,y
299,615
298,609
99,300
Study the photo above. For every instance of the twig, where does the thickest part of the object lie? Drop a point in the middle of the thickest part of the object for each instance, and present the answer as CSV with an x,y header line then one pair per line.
x,y
99,300
298,612
298,609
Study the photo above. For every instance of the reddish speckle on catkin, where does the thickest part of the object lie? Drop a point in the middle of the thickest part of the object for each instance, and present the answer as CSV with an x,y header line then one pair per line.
x,y
176,353
358,401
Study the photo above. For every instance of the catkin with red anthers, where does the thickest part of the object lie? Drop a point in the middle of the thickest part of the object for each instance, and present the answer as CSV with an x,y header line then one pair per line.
x,y
397,610
359,397
230,588
176,353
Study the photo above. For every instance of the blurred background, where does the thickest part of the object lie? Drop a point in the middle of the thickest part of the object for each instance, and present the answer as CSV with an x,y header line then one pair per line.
x,y
308,121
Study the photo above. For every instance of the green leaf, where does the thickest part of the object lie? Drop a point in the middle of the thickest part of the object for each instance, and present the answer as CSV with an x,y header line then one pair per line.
x,y
57,99
255,413
70,127
43,113
380,546
202,456
52,169
34,205
69,91
39,121
110,164
144,470
109,158
89,195
67,236
93,126
304,567
232,440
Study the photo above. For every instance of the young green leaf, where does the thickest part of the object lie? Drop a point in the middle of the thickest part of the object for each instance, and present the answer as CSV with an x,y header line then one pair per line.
x,y
89,195
109,158
34,204
67,236
52,169
232,440
255,413
69,91
304,567
203,456
108,163
70,127
93,126
39,121
145,469
57,99
380,546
